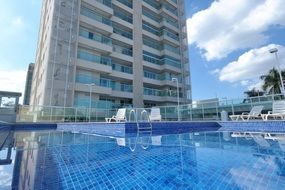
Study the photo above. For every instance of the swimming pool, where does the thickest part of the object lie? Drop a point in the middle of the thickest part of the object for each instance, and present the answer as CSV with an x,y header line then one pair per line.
x,y
208,159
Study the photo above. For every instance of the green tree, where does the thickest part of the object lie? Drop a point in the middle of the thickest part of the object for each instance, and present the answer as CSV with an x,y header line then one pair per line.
x,y
271,81
253,92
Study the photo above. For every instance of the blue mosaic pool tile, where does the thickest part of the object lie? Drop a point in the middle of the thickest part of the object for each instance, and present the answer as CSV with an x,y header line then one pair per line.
x,y
253,126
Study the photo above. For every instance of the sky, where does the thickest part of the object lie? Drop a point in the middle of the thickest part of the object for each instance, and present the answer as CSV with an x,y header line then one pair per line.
x,y
228,43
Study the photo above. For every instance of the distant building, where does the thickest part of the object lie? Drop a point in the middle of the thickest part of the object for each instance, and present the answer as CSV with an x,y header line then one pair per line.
x,y
28,87
124,52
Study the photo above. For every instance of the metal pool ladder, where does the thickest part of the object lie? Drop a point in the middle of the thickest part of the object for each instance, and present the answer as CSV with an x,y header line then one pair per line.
x,y
144,128
140,127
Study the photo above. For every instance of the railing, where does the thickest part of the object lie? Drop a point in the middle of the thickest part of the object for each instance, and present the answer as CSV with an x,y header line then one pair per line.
x,y
127,18
161,61
122,68
122,50
128,3
83,32
108,3
84,55
95,16
122,32
88,79
207,111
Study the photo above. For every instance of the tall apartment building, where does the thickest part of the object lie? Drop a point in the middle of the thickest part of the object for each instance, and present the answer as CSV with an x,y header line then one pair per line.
x,y
128,51
28,86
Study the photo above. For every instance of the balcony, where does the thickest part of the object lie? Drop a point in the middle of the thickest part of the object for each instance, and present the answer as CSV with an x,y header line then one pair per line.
x,y
160,95
169,10
170,37
123,35
122,53
123,18
162,63
102,86
102,5
160,79
126,5
85,102
95,40
95,19
105,85
95,62
170,24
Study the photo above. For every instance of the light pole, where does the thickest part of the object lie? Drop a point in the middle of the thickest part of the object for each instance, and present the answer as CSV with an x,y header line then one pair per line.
x,y
90,98
275,50
177,91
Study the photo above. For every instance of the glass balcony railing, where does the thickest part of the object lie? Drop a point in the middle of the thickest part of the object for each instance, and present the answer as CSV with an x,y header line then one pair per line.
x,y
171,48
84,55
151,29
161,61
122,87
174,1
122,68
123,16
170,62
103,82
122,32
170,34
94,36
158,32
161,93
170,9
153,3
122,50
152,16
151,59
175,24
128,3
152,43
95,16
108,3
161,77
85,102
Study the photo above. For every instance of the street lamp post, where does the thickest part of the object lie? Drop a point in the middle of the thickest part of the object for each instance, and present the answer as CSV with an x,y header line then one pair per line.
x,y
275,50
90,98
177,91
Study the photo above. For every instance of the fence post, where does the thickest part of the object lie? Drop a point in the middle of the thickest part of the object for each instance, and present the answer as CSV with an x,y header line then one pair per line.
x,y
233,110
217,110
203,114
75,115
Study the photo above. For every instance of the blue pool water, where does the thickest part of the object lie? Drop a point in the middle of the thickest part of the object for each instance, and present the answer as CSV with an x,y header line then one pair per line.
x,y
199,160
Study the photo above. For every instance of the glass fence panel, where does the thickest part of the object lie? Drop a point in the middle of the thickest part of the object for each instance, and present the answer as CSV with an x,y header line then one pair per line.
x,y
207,111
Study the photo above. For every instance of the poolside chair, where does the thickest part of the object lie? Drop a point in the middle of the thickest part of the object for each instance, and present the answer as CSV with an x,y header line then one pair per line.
x,y
278,111
260,140
155,114
120,117
255,113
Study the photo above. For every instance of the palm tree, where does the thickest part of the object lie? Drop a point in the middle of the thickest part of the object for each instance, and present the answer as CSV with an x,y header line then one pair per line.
x,y
253,92
271,81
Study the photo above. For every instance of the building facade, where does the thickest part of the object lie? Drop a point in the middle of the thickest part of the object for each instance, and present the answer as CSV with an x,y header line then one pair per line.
x,y
28,86
125,52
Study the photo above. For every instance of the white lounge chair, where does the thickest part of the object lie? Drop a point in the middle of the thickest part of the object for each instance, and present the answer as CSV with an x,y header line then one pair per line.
x,y
278,111
155,114
255,113
119,117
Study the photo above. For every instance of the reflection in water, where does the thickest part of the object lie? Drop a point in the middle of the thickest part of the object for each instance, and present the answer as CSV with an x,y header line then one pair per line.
x,y
58,160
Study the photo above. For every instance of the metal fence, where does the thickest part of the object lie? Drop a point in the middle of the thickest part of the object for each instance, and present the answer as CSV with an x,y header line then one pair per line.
x,y
206,111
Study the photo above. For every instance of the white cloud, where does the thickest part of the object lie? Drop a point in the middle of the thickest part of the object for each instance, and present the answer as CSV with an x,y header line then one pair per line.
x,y
17,22
13,81
229,25
252,64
